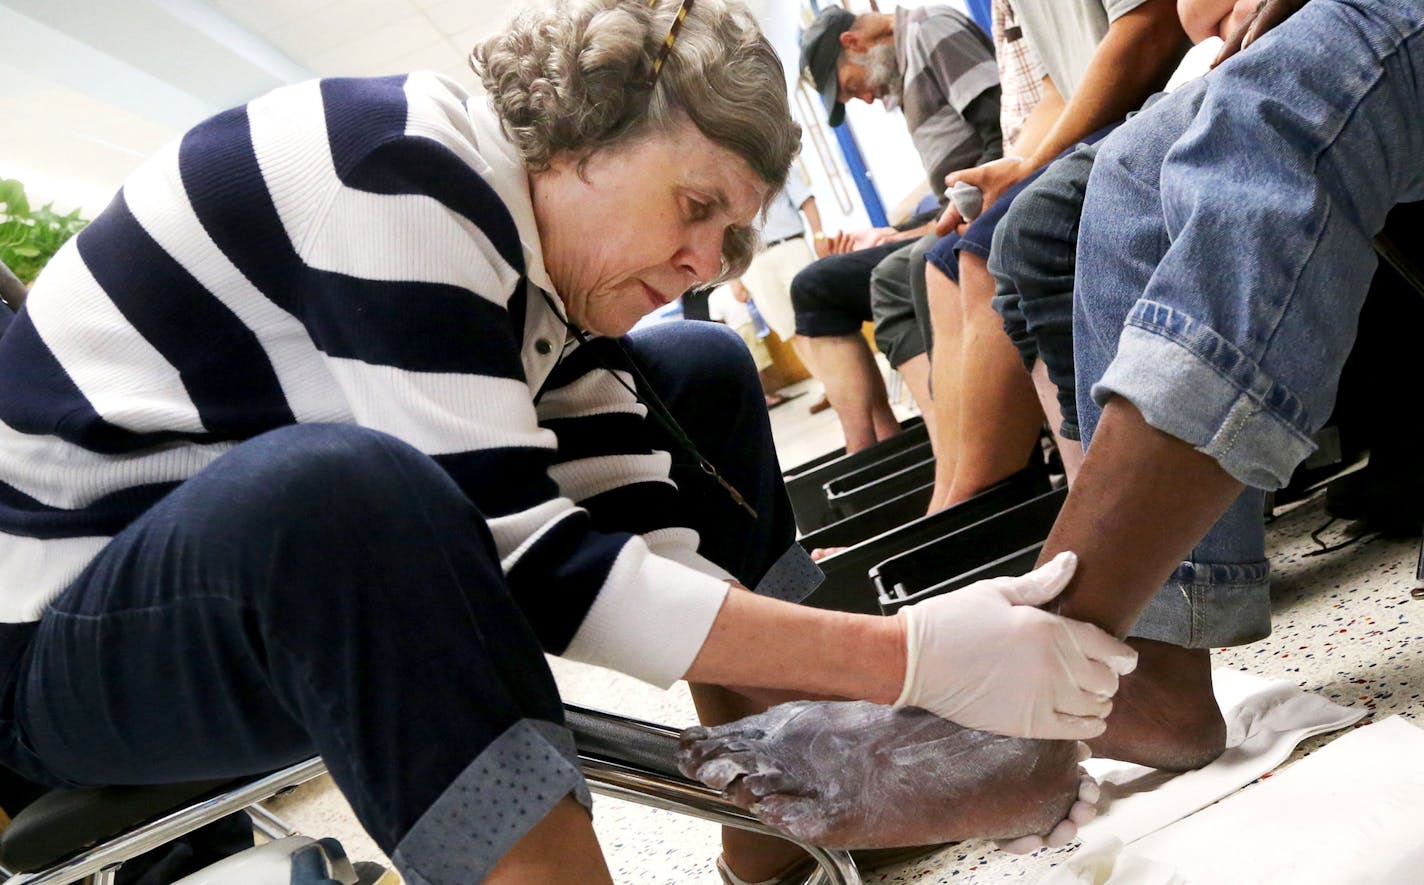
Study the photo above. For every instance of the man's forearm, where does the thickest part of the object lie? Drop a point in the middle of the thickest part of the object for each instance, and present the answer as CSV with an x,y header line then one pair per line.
x,y
1134,60
1141,502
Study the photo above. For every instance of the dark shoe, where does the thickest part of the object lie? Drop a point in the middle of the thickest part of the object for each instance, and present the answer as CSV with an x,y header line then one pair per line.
x,y
820,405
1387,501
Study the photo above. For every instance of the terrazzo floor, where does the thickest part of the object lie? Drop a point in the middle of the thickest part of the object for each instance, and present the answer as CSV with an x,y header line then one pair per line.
x,y
1346,627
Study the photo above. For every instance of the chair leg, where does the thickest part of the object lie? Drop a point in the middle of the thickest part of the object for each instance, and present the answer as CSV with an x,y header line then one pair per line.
x,y
684,797
99,863
269,824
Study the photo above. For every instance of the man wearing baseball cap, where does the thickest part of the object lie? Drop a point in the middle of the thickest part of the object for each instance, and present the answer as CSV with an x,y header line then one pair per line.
x,y
933,61
938,66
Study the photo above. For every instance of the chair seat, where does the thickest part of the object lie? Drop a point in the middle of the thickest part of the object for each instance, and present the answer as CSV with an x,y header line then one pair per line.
x,y
64,822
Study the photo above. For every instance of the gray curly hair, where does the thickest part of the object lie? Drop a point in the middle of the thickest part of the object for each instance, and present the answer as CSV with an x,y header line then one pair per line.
x,y
575,78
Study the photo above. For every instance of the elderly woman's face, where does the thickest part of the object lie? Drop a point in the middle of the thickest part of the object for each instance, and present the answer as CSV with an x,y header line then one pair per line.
x,y
642,224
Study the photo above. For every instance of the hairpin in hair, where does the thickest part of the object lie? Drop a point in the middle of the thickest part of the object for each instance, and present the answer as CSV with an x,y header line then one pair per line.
x,y
669,40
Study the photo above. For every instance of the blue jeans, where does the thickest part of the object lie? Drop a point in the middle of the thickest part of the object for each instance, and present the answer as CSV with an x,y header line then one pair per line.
x,y
1033,259
1223,259
329,589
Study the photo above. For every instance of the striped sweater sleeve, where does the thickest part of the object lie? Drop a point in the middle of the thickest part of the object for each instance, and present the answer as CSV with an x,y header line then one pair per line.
x,y
408,269
608,461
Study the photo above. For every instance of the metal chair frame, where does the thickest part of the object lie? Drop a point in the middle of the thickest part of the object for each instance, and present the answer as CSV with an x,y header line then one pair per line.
x,y
608,777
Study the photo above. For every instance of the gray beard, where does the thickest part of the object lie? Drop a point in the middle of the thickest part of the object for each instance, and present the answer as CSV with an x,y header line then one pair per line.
x,y
884,71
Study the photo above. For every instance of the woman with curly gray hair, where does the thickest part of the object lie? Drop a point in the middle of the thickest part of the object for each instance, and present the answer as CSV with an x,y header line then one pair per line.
x,y
323,433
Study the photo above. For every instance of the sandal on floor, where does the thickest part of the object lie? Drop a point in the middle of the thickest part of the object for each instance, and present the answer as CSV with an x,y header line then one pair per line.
x,y
796,874
865,859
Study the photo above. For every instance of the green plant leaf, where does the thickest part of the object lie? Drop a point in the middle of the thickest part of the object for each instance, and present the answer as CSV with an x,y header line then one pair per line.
x,y
30,237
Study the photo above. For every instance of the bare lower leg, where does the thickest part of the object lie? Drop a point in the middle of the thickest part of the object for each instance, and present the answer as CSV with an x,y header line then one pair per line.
x,y
856,391
752,857
946,321
560,848
1142,500
916,372
1070,451
861,775
999,416
802,349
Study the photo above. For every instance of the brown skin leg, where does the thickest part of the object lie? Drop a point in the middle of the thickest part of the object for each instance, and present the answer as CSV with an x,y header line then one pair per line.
x,y
860,775
752,857
559,848
1142,500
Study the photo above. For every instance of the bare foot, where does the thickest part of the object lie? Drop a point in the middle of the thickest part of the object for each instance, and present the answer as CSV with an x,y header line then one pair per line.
x,y
821,553
1164,713
862,775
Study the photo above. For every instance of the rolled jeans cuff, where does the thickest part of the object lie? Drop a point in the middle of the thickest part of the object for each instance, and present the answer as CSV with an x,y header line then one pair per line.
x,y
1190,382
1209,605
499,798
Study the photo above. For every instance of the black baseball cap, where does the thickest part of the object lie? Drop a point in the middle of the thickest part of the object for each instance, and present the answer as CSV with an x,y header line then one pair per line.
x,y
820,49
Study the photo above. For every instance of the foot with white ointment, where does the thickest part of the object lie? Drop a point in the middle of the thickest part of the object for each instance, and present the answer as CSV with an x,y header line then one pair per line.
x,y
863,775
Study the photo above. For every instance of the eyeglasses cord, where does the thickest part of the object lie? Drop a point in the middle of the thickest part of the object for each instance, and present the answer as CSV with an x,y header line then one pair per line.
x,y
654,404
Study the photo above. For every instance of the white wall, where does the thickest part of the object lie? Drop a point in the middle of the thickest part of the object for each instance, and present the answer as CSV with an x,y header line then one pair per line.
x,y
90,89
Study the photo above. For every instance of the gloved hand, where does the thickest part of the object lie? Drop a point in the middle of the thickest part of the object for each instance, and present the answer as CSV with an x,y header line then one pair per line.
x,y
985,657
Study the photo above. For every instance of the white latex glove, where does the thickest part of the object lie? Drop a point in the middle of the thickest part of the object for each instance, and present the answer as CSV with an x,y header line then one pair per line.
x,y
986,658
1084,809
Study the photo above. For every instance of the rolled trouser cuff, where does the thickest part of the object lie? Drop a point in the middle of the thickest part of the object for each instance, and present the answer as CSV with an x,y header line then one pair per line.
x,y
1190,382
1209,605
493,803
792,577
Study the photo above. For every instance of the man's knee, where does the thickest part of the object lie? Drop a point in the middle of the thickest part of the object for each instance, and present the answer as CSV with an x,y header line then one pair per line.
x,y
809,285
890,288
1013,258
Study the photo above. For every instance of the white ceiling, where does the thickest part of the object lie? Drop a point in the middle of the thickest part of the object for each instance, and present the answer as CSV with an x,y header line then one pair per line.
x,y
90,87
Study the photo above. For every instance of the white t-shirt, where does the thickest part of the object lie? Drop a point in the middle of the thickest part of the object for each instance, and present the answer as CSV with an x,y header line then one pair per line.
x,y
1064,34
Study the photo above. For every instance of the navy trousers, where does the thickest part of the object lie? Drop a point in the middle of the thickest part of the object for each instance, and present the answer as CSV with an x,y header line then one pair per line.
x,y
329,589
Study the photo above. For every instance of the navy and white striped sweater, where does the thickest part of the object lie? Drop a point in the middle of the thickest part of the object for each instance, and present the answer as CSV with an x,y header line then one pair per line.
x,y
357,251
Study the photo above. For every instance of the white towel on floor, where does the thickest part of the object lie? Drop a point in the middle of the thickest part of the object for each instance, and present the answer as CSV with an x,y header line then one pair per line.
x,y
1264,722
1348,814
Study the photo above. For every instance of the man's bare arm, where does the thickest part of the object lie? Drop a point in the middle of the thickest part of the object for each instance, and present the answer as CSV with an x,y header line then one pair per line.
x,y
1135,59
